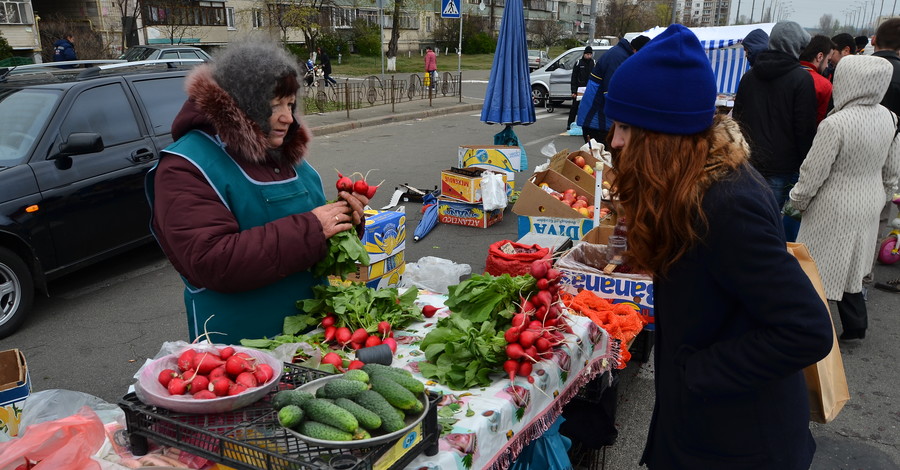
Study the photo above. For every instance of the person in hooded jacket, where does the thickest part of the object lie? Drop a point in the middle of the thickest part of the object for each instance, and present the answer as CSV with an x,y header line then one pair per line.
x,y
887,46
591,118
844,183
776,107
754,43
236,206
64,50
581,72
734,326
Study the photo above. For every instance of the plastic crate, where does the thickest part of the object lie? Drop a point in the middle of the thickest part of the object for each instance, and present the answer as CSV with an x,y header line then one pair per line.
x,y
251,438
642,346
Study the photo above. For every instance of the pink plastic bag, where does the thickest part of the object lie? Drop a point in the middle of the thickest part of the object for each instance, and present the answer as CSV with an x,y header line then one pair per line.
x,y
64,443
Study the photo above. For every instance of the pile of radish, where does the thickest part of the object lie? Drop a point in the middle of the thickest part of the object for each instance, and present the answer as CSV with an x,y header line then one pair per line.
x,y
345,338
214,373
539,326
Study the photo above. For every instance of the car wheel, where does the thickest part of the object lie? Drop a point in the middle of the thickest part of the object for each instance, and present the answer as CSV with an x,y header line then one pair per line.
x,y
538,95
16,292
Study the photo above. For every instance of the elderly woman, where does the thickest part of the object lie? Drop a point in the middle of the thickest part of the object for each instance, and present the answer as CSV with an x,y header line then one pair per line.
x,y
844,182
237,209
737,319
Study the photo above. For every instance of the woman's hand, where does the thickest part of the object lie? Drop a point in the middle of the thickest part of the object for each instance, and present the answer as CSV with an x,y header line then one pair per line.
x,y
335,217
357,204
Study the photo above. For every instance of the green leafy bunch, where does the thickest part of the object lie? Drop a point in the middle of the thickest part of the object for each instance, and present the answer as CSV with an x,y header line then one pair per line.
x,y
345,249
485,297
359,306
461,354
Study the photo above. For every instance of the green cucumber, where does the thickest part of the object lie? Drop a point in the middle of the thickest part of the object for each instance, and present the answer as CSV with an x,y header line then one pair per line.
x,y
290,397
331,414
323,432
372,401
290,416
341,388
394,393
367,419
357,374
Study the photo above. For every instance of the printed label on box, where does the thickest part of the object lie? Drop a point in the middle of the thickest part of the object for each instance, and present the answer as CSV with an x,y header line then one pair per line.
x,y
469,215
497,158
15,386
385,234
572,228
633,290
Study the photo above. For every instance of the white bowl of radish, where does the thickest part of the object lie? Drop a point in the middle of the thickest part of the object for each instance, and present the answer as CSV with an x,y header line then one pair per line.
x,y
177,368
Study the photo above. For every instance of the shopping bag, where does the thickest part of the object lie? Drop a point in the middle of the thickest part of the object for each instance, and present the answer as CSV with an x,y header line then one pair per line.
x,y
515,259
825,380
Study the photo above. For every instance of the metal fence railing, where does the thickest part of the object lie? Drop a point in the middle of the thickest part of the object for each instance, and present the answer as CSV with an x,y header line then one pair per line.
x,y
372,91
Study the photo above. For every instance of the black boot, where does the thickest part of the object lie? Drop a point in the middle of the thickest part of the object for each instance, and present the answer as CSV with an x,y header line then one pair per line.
x,y
852,334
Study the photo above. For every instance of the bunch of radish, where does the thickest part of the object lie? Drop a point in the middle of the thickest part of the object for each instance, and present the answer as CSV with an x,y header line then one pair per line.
x,y
360,186
213,373
539,325
344,338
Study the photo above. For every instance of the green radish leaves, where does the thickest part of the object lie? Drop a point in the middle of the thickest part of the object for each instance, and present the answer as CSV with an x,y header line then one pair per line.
x,y
345,249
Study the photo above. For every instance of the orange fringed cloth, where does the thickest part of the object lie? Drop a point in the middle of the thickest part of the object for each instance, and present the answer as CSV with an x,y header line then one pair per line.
x,y
619,320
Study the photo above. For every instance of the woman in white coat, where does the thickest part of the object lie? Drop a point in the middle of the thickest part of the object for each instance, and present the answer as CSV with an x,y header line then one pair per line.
x,y
844,182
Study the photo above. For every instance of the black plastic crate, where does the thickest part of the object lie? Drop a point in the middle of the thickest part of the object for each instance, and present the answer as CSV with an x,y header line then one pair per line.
x,y
642,346
251,438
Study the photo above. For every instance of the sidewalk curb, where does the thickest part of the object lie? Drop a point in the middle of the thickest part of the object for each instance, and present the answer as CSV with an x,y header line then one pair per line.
x,y
326,129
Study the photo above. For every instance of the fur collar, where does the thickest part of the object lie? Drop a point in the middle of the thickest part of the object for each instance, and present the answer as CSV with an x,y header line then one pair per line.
x,y
727,150
244,138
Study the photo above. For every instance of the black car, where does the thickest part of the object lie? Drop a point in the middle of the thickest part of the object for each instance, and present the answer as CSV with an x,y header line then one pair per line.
x,y
74,148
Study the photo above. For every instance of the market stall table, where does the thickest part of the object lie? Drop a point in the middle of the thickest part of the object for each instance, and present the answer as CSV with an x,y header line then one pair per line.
x,y
485,427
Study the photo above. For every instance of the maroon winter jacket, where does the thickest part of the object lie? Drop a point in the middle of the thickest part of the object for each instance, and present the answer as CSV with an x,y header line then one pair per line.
x,y
198,233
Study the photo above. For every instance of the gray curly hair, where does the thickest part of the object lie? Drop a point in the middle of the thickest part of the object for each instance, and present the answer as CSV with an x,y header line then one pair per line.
x,y
249,72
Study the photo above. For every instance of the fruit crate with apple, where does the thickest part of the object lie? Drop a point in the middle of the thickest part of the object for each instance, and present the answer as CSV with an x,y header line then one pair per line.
x,y
251,438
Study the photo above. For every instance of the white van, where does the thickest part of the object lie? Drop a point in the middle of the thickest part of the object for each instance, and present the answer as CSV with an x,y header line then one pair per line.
x,y
554,80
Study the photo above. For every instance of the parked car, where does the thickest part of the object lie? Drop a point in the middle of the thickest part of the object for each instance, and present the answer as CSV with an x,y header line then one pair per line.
x,y
553,81
537,59
164,51
74,148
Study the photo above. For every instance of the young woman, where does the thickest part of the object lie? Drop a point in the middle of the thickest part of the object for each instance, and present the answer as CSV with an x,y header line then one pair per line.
x,y
736,317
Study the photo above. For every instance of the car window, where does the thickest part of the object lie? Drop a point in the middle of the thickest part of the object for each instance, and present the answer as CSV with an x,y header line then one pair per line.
x,y
23,116
169,55
568,61
137,53
162,99
105,110
190,55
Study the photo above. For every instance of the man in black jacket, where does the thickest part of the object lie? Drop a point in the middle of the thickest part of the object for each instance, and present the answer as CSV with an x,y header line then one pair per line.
x,y
887,44
581,72
776,107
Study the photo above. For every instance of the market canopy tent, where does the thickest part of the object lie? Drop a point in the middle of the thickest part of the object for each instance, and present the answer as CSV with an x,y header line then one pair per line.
x,y
724,49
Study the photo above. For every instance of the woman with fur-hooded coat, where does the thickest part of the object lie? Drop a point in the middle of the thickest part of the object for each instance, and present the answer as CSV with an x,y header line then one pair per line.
x,y
236,207
845,179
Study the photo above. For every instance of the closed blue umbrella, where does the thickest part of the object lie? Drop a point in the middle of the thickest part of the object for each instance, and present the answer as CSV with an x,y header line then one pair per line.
x,y
508,96
429,217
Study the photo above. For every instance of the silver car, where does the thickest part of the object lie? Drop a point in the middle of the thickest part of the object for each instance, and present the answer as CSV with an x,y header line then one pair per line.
x,y
537,59
553,81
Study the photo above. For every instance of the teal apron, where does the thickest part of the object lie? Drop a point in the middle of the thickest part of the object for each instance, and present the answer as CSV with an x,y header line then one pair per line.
x,y
259,312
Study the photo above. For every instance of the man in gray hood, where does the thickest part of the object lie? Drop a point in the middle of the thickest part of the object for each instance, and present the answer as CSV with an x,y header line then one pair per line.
x,y
776,107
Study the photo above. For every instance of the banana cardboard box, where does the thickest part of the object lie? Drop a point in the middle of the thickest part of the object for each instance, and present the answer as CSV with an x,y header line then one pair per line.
x,y
497,158
15,386
385,241
463,184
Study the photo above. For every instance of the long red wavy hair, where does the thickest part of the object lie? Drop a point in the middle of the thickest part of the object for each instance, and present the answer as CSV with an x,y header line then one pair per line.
x,y
660,182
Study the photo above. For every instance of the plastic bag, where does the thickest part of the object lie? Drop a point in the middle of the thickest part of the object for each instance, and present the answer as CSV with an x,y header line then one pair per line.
x,y
584,257
500,261
597,150
493,191
433,273
547,452
53,404
63,443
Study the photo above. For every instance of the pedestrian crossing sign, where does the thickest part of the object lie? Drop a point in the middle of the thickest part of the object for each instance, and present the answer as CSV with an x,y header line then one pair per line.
x,y
449,8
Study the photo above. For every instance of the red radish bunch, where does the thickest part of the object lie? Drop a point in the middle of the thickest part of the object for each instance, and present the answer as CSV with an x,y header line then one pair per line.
x,y
360,186
538,327
212,373
345,338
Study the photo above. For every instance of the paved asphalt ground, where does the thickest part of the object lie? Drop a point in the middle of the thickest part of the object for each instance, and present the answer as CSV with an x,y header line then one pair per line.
x,y
865,436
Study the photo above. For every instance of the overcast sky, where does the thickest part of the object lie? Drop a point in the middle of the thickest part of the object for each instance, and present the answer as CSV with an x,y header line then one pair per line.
x,y
808,12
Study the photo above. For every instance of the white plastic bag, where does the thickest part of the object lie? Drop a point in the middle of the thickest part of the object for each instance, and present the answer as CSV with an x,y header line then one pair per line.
x,y
493,191
433,273
597,150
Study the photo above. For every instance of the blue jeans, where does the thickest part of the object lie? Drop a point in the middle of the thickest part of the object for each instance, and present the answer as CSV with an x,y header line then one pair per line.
x,y
781,187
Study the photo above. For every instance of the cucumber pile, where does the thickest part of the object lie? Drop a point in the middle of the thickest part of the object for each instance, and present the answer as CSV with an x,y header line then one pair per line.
x,y
373,400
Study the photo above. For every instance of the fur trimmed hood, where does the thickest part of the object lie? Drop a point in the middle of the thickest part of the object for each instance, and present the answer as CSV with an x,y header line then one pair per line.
x,y
727,150
210,106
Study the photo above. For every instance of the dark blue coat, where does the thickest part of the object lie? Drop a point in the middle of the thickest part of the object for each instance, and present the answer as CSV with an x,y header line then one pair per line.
x,y
63,50
736,322
592,115
755,42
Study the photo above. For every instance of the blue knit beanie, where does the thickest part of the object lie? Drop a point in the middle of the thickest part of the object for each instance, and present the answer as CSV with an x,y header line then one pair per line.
x,y
668,86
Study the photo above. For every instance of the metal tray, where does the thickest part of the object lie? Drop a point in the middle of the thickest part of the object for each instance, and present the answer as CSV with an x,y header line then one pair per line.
x,y
251,438
411,422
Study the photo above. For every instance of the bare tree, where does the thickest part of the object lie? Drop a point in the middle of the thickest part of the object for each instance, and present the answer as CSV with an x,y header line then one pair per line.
x,y
828,25
287,15
546,33
128,10
88,43
622,16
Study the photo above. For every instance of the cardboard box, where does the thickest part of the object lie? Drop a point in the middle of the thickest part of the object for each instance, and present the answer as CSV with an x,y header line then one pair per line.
x,y
470,215
563,165
385,234
463,184
572,228
499,158
635,290
544,214
15,386
378,275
